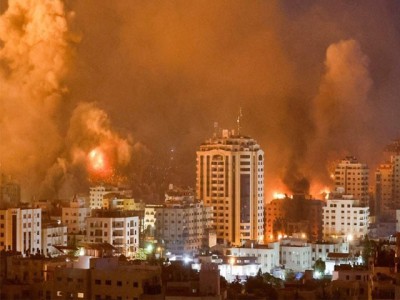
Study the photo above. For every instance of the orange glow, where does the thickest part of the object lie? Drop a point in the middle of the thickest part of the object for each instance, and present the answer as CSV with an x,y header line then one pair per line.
x,y
277,195
97,160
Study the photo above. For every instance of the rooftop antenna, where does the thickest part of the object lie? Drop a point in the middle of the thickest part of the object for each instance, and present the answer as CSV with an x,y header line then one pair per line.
x,y
238,120
215,129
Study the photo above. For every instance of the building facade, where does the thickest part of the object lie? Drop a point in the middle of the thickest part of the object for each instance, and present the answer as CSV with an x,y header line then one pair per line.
x,y
184,228
53,234
267,255
97,194
353,177
118,228
21,229
345,218
387,188
230,178
74,216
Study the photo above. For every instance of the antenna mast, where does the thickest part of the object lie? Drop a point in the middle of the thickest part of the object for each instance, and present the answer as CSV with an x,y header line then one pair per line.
x,y
238,120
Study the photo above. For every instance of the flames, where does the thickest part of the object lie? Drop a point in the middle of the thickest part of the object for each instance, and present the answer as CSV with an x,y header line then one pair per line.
x,y
98,165
97,160
278,195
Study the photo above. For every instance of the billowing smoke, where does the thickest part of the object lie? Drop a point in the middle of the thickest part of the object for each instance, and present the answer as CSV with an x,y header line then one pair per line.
x,y
307,74
35,57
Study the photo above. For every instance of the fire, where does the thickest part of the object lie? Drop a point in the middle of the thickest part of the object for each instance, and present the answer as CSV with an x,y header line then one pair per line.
x,y
97,160
277,195
325,193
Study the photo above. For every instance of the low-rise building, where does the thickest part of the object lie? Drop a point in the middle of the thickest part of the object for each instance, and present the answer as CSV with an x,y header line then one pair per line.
x,y
295,254
118,228
267,255
351,282
53,233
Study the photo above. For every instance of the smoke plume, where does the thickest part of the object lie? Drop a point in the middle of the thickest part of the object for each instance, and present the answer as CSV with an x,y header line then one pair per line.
x,y
35,57
315,80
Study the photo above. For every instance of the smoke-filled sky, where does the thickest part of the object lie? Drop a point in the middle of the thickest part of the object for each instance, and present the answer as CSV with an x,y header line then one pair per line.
x,y
316,80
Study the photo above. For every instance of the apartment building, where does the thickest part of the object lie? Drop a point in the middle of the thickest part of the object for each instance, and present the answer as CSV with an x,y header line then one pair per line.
x,y
21,229
345,217
54,233
230,179
267,255
353,176
118,228
97,194
184,227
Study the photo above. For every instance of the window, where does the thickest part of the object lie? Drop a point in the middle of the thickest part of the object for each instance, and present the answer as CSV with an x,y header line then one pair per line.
x,y
97,281
135,284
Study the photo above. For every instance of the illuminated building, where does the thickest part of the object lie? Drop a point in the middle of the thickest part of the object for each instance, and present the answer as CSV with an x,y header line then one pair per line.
x,y
344,217
74,217
21,229
230,178
149,222
97,194
352,176
122,202
387,184
267,255
185,227
118,228
53,233
296,254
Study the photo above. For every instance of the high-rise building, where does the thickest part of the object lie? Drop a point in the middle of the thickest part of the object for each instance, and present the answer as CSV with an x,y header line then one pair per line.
x,y
230,178
352,176
387,183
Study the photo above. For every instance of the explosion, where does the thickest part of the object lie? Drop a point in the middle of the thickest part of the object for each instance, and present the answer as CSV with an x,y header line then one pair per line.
x,y
97,161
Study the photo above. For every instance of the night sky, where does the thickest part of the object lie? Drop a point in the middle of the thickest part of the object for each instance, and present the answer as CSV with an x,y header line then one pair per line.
x,y
133,80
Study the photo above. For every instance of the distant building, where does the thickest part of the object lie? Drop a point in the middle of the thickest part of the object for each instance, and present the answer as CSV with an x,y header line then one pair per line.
x,y
74,217
387,188
97,194
118,228
230,178
21,229
353,176
149,221
184,228
345,217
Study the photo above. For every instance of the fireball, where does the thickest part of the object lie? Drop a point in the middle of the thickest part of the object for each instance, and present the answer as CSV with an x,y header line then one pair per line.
x,y
97,160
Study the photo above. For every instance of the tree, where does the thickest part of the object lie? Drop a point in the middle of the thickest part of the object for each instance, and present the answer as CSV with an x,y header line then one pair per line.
x,y
319,266
368,249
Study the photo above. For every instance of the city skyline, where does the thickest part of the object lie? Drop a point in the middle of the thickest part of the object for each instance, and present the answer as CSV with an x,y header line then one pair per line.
x,y
315,82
